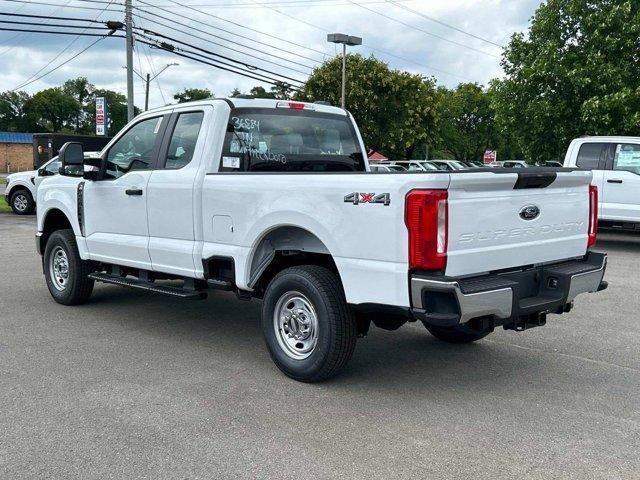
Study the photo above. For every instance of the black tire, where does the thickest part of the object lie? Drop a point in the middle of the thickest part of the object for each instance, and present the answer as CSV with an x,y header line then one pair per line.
x,y
335,325
77,287
22,202
458,334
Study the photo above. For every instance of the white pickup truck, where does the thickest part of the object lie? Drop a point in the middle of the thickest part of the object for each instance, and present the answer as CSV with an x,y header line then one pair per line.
x,y
274,200
615,162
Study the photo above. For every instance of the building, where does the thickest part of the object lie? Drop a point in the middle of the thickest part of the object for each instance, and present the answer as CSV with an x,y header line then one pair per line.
x,y
16,152
376,156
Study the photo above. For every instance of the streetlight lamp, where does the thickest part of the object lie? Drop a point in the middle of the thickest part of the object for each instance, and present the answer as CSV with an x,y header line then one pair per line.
x,y
147,79
341,38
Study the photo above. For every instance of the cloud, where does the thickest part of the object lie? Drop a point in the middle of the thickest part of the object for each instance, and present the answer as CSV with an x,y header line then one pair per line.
x,y
305,24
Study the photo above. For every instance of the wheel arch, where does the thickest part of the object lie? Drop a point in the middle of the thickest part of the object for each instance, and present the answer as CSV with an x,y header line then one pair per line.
x,y
21,186
283,246
53,219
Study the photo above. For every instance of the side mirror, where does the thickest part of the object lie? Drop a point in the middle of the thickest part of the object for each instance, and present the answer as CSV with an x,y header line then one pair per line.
x,y
71,158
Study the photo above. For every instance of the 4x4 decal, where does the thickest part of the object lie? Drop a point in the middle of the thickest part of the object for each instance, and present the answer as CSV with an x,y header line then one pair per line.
x,y
358,197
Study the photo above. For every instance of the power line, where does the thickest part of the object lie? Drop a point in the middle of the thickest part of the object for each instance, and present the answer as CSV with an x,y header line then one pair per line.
x,y
271,62
32,2
422,30
318,27
74,40
172,48
279,4
241,26
63,25
51,17
225,39
55,32
209,52
440,22
200,60
63,63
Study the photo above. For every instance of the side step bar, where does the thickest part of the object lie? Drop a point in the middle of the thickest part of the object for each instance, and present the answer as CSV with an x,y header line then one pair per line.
x,y
148,286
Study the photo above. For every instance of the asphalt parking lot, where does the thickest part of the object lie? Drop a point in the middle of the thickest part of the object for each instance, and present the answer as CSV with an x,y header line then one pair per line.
x,y
134,385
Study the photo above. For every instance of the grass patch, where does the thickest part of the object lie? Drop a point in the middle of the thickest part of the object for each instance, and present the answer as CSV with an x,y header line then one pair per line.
x,y
4,208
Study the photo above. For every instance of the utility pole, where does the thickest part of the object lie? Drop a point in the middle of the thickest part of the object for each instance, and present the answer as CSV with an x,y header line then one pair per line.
x,y
129,40
147,79
146,92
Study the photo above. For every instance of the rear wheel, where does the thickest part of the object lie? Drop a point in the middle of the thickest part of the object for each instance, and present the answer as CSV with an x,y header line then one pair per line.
x,y
458,334
22,202
66,273
307,325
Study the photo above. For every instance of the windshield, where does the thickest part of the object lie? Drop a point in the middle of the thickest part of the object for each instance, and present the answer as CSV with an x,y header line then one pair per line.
x,y
268,140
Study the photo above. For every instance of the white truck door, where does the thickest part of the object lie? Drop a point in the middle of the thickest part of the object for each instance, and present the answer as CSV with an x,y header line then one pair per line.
x,y
621,195
173,196
115,207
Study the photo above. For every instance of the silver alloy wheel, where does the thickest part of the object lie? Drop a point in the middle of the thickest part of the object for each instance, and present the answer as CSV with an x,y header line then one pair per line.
x,y
20,202
296,325
59,268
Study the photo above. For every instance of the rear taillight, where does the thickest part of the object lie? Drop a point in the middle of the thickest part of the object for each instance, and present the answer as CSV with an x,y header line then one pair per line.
x,y
426,217
593,216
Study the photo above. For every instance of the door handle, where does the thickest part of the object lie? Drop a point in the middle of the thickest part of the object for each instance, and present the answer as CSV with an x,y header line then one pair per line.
x,y
614,180
133,191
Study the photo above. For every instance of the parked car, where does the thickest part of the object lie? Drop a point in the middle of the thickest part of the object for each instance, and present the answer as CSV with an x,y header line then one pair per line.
x,y
20,192
244,195
551,163
448,165
615,162
471,163
415,165
380,167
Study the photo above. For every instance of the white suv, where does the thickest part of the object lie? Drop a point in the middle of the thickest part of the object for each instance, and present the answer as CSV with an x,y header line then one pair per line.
x,y
615,162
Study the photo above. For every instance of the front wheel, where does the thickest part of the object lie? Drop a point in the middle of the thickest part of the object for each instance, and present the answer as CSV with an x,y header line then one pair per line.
x,y
458,334
66,273
308,328
22,202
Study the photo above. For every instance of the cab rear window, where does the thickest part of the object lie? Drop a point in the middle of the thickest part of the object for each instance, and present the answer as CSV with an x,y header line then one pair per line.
x,y
267,140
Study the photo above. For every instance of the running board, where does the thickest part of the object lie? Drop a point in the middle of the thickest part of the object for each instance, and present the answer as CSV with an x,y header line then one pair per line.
x,y
148,286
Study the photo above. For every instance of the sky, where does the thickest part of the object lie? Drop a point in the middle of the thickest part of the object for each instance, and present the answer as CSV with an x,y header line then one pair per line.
x,y
451,40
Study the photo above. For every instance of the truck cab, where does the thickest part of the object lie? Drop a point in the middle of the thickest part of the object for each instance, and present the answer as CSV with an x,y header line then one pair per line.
x,y
615,163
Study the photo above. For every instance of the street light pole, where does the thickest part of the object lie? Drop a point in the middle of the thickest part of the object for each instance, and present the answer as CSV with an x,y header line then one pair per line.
x,y
146,92
341,38
344,75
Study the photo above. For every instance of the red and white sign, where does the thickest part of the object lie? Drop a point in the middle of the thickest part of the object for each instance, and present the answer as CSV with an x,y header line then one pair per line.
x,y
101,123
490,156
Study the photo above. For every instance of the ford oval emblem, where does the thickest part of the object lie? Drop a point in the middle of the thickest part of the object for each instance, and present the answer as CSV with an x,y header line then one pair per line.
x,y
529,212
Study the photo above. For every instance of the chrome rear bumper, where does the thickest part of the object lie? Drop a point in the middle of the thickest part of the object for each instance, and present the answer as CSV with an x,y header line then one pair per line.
x,y
506,296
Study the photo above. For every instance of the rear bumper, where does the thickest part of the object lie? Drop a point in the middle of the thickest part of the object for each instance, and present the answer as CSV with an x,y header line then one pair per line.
x,y
513,299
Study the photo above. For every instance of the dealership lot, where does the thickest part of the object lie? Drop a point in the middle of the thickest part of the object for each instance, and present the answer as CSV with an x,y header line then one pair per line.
x,y
138,385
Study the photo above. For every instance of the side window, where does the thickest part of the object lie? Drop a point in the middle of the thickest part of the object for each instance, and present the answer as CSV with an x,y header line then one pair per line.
x,y
53,167
183,140
589,155
134,150
413,167
627,158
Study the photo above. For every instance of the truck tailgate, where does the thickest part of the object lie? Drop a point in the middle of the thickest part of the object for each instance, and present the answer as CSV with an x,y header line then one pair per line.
x,y
499,221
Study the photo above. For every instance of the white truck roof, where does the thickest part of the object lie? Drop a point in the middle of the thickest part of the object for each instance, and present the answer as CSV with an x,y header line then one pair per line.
x,y
254,103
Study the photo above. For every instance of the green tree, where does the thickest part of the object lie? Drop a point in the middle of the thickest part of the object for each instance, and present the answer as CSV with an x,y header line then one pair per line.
x,y
574,73
280,91
395,110
14,112
191,94
80,89
467,126
53,109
